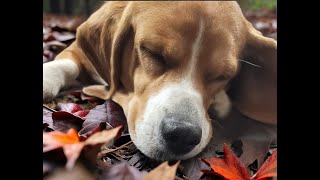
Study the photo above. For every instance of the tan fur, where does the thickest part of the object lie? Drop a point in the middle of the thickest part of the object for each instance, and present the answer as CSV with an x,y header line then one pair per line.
x,y
109,45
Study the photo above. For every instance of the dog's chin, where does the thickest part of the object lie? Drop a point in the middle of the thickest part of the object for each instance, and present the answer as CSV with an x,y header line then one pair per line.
x,y
162,153
165,155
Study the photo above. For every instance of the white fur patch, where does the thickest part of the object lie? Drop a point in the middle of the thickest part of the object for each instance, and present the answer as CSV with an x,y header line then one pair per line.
x,y
195,52
169,100
57,74
222,104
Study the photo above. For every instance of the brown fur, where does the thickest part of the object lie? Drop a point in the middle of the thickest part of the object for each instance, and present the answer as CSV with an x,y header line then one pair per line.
x,y
110,42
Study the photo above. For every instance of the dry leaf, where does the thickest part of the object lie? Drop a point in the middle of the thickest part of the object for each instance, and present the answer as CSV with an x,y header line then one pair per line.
x,y
163,172
71,144
269,167
230,167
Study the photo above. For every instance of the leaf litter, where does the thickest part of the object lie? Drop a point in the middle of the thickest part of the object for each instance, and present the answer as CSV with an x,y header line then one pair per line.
x,y
77,130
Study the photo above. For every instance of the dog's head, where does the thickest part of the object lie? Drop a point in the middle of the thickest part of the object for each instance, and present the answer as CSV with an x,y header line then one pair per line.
x,y
168,61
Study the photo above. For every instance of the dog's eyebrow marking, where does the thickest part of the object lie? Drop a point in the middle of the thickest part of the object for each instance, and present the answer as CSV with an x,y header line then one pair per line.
x,y
195,50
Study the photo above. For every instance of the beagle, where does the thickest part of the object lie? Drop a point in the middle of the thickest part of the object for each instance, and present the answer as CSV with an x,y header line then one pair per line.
x,y
166,64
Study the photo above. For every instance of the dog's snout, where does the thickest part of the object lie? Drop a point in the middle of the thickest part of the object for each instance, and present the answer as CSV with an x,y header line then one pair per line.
x,y
180,134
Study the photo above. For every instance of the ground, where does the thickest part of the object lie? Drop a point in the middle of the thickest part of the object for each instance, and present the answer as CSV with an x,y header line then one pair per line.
x,y
90,116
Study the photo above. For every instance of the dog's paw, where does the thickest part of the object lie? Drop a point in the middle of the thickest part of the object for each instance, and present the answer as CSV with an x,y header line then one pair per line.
x,y
57,74
50,90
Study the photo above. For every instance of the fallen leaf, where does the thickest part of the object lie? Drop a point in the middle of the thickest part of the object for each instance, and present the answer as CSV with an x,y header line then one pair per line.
x,y
141,161
63,36
94,101
70,116
62,23
79,172
254,149
255,136
121,171
263,20
191,168
63,121
48,37
47,119
56,139
107,116
163,171
74,109
47,167
268,169
71,144
125,171
229,167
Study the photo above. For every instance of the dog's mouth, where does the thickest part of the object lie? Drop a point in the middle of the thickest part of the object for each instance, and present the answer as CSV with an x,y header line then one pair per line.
x,y
172,138
166,155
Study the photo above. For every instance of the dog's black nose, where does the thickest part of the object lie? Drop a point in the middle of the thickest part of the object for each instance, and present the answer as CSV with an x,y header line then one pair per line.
x,y
180,134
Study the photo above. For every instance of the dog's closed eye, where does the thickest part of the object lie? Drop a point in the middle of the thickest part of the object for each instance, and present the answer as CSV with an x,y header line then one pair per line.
x,y
219,78
153,55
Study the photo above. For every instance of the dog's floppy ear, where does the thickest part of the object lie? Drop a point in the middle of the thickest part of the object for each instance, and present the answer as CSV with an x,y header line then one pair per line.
x,y
102,39
254,89
122,54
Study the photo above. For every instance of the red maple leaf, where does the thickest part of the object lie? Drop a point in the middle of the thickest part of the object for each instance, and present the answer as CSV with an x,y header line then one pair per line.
x,y
230,167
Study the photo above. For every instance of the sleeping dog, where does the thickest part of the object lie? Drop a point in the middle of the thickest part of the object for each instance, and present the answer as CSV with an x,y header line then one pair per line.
x,y
166,64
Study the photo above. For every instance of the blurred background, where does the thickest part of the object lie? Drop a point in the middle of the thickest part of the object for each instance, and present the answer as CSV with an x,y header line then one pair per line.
x,y
62,17
85,7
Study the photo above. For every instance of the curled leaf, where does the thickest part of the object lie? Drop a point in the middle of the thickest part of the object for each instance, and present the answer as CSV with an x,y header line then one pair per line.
x,y
71,144
69,116
163,171
121,171
104,116
73,109
268,169
230,167
56,139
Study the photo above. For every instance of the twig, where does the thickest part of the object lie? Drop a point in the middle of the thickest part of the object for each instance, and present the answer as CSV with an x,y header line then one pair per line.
x,y
52,110
104,152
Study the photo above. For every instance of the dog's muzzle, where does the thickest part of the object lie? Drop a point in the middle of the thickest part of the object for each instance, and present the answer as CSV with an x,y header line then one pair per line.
x,y
179,133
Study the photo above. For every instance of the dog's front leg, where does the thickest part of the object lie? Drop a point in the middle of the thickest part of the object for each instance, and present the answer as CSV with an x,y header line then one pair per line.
x,y
57,74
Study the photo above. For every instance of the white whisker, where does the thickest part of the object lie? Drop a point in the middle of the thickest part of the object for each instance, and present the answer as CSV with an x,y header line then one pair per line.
x,y
249,63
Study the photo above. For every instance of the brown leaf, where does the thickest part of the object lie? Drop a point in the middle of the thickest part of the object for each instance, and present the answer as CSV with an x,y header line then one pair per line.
x,y
107,115
62,23
122,171
163,171
63,121
71,144
63,36
47,167
191,168
79,172
47,120
93,101
54,140
254,149
255,136
268,169
229,167
46,45
70,116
